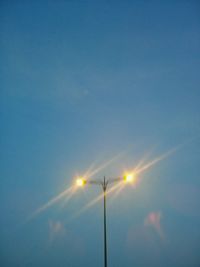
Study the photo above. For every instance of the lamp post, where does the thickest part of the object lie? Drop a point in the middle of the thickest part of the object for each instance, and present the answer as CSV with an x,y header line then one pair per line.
x,y
81,181
105,232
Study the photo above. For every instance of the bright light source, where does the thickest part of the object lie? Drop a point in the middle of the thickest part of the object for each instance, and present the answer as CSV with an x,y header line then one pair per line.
x,y
129,177
80,181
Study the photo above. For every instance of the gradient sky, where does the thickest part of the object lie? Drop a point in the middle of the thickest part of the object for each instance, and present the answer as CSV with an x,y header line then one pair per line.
x,y
83,82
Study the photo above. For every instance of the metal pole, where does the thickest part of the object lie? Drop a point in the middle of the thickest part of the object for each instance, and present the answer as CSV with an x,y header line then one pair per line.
x,y
105,236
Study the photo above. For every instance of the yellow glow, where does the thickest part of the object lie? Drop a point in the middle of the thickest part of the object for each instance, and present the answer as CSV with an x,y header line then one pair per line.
x,y
129,178
80,181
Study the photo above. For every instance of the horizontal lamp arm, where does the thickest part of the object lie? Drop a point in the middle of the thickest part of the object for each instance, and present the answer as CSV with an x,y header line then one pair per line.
x,y
115,180
94,182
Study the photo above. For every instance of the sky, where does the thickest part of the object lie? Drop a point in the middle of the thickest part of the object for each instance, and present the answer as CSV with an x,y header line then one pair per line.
x,y
97,88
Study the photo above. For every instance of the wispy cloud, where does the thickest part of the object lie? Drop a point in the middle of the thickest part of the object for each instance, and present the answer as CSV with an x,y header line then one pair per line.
x,y
153,219
56,230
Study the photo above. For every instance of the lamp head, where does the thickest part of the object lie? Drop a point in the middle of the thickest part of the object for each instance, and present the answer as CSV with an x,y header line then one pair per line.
x,y
80,181
129,178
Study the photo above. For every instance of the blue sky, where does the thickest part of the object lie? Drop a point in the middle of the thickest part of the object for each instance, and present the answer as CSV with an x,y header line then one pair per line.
x,y
82,82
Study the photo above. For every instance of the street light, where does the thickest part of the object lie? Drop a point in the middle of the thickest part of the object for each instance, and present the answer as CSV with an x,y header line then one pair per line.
x,y
80,181
127,178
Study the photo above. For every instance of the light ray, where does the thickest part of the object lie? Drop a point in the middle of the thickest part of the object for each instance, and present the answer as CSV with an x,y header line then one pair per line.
x,y
141,162
155,161
117,192
109,191
51,202
107,163
90,169
69,196
97,199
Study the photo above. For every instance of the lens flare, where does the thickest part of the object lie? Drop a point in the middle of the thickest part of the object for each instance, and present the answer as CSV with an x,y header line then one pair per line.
x,y
68,197
149,164
106,164
117,191
66,193
97,199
